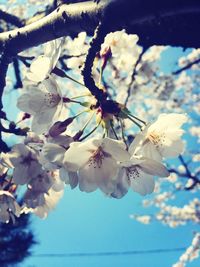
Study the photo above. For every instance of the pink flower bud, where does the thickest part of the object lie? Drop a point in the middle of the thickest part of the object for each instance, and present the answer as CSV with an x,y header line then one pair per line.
x,y
60,127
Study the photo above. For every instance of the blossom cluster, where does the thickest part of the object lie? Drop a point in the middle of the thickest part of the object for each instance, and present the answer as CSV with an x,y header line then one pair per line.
x,y
191,253
173,216
59,151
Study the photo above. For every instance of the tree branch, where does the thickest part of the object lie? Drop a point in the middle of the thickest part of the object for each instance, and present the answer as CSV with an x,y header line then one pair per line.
x,y
18,83
188,66
156,22
95,46
133,75
12,19
4,62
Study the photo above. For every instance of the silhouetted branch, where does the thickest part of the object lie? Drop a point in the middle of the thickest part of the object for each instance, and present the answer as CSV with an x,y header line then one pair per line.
x,y
95,46
12,19
18,83
188,66
187,174
133,75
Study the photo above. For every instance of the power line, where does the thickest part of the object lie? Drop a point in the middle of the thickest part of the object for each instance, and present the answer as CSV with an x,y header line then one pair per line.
x,y
109,253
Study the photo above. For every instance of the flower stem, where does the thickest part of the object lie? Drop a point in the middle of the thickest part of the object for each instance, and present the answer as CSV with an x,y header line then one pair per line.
x,y
100,76
135,122
111,125
79,96
77,115
92,131
137,119
74,80
122,131
88,121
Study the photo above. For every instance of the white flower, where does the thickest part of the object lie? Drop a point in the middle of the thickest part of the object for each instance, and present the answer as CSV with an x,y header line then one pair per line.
x,y
42,66
120,42
51,200
46,203
96,163
138,173
44,103
124,49
8,207
76,48
37,188
68,177
54,154
25,164
161,138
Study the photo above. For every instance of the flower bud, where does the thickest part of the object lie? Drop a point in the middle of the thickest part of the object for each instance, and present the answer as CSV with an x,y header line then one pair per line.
x,y
60,127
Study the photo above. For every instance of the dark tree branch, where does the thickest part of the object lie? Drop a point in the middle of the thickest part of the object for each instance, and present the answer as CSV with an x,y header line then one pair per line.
x,y
156,22
133,75
95,46
4,62
188,66
18,83
12,19
187,174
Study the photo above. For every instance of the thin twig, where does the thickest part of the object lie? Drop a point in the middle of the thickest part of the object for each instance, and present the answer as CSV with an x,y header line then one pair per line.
x,y
134,75
188,66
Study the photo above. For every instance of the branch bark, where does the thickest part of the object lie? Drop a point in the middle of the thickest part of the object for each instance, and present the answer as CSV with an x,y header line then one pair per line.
x,y
156,22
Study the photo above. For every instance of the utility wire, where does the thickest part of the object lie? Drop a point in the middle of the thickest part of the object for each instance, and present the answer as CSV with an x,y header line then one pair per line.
x,y
109,253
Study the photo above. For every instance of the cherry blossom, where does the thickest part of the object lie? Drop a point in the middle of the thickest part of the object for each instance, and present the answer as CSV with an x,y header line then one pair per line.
x,y
191,253
25,164
8,207
161,138
50,201
42,66
138,173
44,103
97,162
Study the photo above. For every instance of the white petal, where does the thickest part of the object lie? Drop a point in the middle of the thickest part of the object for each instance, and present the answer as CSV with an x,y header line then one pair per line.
x,y
23,103
136,144
144,184
38,127
154,168
40,68
70,178
37,101
4,216
49,48
167,122
34,169
73,179
116,148
174,150
54,153
21,149
42,121
122,185
101,176
149,150
20,174
87,186
106,175
76,156
51,85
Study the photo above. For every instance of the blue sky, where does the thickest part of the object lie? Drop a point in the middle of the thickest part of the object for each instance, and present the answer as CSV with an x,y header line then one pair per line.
x,y
85,223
